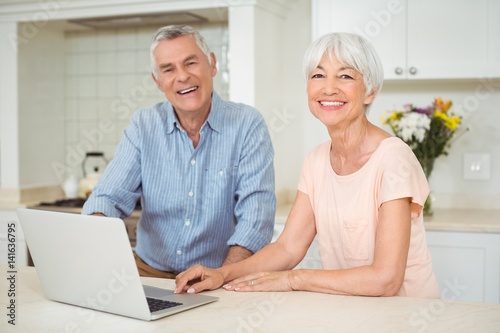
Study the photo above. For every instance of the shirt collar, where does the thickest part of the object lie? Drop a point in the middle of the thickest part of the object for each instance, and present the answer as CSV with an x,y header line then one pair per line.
x,y
214,119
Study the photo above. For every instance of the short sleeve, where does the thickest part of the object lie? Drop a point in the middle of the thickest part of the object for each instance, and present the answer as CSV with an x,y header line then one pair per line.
x,y
402,175
313,165
303,180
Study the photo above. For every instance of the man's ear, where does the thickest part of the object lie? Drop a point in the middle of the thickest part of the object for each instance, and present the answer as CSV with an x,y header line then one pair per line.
x,y
158,84
214,63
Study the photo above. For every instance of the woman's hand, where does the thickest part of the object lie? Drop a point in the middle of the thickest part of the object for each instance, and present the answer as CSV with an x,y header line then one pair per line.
x,y
266,281
198,278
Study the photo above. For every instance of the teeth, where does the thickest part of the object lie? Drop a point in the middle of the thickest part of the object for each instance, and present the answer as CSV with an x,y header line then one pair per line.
x,y
331,103
187,90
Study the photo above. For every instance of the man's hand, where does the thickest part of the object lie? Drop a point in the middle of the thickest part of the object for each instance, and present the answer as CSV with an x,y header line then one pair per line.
x,y
98,214
198,278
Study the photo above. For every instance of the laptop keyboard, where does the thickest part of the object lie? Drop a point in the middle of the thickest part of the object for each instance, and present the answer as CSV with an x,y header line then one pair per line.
x,y
156,304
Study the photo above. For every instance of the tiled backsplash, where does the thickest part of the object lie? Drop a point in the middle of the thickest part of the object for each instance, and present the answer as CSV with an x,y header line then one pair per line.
x,y
108,78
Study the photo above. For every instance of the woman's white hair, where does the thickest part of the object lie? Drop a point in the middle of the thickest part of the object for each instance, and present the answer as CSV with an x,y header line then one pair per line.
x,y
170,32
352,50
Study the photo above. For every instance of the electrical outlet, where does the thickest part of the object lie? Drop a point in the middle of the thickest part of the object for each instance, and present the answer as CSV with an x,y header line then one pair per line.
x,y
477,166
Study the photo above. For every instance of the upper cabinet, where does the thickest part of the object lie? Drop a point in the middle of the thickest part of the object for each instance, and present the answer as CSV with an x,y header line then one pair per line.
x,y
424,39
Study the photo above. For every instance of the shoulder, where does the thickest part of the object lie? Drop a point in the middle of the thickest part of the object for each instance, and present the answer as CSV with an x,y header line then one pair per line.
x,y
393,147
154,111
320,152
235,118
395,155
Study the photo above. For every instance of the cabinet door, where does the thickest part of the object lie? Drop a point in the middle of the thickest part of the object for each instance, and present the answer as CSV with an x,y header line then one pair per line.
x,y
453,38
382,22
424,39
467,265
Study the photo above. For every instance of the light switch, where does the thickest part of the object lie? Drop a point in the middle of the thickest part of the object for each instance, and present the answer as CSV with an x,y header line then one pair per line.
x,y
477,166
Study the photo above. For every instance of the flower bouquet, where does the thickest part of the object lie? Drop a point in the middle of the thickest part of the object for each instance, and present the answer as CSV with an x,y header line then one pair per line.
x,y
428,131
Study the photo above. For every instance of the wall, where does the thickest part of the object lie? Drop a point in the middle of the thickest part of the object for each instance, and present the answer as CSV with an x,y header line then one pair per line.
x,y
41,106
288,126
478,100
108,78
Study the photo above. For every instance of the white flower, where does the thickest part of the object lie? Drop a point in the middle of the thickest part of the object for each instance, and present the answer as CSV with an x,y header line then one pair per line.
x,y
413,125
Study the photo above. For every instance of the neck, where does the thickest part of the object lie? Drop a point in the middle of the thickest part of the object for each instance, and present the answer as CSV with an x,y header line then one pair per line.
x,y
348,139
192,123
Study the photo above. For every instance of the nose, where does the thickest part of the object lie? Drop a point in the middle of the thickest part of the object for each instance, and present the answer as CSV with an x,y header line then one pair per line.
x,y
182,75
330,87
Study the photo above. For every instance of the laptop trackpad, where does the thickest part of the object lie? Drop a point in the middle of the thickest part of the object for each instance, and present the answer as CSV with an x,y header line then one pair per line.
x,y
155,292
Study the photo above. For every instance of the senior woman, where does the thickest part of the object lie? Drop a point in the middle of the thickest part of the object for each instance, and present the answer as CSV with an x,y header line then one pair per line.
x,y
361,193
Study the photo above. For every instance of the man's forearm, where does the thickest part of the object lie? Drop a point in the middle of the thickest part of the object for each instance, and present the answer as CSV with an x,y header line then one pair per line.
x,y
236,253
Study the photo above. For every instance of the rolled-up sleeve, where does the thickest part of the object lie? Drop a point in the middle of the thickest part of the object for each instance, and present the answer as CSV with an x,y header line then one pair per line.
x,y
118,189
255,190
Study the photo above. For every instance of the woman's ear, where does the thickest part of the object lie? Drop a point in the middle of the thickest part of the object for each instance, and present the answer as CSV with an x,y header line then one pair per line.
x,y
370,97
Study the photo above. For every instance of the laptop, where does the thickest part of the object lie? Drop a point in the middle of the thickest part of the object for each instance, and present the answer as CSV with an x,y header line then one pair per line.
x,y
87,261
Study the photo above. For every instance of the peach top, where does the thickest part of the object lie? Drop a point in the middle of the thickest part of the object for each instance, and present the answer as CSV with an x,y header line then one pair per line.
x,y
346,210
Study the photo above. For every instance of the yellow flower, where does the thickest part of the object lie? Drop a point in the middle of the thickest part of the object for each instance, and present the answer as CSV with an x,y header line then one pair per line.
x,y
387,117
450,122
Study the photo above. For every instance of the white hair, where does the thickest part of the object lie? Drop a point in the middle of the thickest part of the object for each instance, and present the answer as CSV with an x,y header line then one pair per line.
x,y
170,32
352,50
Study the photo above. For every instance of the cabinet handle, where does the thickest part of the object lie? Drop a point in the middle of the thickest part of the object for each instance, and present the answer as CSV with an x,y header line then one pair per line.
x,y
413,70
398,71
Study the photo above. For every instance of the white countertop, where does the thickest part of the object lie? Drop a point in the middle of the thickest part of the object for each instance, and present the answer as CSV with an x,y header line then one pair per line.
x,y
256,312
466,220
463,220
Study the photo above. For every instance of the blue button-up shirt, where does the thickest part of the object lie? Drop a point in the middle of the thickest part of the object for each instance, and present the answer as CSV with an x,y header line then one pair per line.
x,y
195,202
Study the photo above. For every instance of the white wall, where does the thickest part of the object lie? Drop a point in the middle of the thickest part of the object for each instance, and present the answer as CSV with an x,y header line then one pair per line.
x,y
479,100
287,119
41,106
9,144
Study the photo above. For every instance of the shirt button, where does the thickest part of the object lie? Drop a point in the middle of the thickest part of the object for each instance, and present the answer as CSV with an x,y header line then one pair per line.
x,y
187,223
190,193
179,252
193,162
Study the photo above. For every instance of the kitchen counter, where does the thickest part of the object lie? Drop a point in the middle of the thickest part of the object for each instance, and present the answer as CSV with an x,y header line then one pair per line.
x,y
255,312
466,220
463,220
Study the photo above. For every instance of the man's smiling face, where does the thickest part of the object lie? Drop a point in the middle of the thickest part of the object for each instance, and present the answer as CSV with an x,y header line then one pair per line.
x,y
185,75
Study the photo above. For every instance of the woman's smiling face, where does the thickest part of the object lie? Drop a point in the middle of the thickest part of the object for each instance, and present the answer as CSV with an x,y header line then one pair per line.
x,y
336,92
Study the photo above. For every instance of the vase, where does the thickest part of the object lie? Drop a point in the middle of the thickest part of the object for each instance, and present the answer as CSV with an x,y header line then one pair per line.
x,y
427,165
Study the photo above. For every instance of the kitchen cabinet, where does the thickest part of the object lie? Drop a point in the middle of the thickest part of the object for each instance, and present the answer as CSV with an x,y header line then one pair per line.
x,y
425,39
466,264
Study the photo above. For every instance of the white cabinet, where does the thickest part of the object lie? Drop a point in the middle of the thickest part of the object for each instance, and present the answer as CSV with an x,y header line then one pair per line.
x,y
466,264
13,248
425,39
